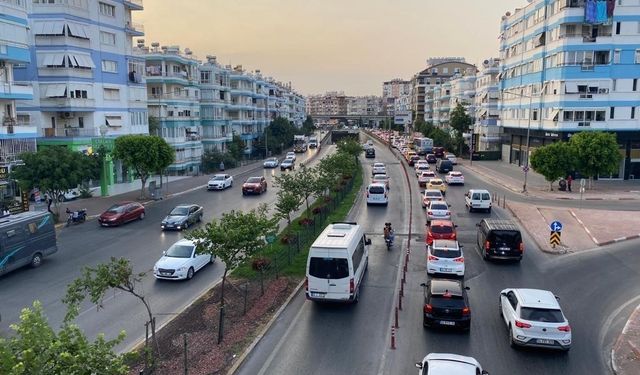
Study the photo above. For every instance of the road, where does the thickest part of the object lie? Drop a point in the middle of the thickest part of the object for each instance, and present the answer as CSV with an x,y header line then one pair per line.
x,y
597,290
142,243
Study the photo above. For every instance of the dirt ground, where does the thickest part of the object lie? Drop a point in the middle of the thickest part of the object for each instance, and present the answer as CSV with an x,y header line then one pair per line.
x,y
200,324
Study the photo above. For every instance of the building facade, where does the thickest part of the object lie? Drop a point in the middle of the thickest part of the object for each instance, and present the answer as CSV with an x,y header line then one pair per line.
x,y
364,106
395,93
486,130
173,98
329,104
566,69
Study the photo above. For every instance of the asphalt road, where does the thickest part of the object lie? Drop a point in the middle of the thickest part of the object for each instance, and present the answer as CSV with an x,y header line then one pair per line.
x,y
597,291
142,242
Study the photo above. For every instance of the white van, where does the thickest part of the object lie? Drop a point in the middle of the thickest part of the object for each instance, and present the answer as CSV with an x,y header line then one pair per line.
x,y
478,199
336,263
377,193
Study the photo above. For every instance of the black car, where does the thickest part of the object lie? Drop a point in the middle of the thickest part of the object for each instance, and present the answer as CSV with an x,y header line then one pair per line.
x,y
438,152
370,153
499,239
446,304
444,166
431,158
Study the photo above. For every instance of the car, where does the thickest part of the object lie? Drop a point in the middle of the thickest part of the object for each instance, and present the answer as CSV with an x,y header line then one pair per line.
x,y
291,155
431,195
438,152
454,178
444,166
445,257
182,216
121,213
499,239
452,158
220,182
370,153
180,261
449,364
413,158
534,318
378,168
377,193
409,154
438,210
75,193
382,178
288,163
446,304
478,199
431,158
254,185
425,177
271,163
440,230
422,167
437,184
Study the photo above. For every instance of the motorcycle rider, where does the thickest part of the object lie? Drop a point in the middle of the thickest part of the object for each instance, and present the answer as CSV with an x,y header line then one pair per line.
x,y
388,233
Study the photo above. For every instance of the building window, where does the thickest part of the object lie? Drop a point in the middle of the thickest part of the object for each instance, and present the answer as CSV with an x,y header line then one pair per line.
x,y
633,113
107,9
618,28
109,66
612,113
635,84
81,122
111,94
205,77
107,38
616,56
637,59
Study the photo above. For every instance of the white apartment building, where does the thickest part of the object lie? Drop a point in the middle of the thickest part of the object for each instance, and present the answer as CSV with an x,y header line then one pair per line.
x,y
364,105
396,93
486,130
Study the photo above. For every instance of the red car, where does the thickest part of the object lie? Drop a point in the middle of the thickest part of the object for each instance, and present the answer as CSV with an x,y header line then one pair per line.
x,y
121,213
254,185
440,230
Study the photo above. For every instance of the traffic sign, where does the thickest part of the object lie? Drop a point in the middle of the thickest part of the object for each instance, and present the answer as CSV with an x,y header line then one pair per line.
x,y
556,226
525,169
554,239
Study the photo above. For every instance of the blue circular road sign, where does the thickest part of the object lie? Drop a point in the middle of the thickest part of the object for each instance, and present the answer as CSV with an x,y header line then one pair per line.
x,y
556,226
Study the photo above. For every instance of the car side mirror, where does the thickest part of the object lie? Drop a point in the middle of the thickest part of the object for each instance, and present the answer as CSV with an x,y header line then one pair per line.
x,y
558,298
455,225
460,246
485,372
503,294
467,288
368,241
478,225
164,252
448,205
423,285
419,365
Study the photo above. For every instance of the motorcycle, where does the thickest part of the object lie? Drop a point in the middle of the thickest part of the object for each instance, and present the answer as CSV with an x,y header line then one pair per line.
x,y
75,217
388,240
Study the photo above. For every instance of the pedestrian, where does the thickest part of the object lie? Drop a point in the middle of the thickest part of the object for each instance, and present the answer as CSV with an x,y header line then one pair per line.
x,y
569,180
221,166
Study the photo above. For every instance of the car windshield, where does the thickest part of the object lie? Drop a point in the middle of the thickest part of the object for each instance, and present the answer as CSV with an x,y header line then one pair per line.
x,y
452,302
179,251
435,182
287,161
446,253
254,180
441,229
218,178
179,211
432,194
438,206
541,315
116,209
271,160
455,174
380,177
329,268
508,237
376,190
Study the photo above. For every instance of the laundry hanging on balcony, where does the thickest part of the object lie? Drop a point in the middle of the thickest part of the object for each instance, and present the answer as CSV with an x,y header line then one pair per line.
x,y
598,11
611,6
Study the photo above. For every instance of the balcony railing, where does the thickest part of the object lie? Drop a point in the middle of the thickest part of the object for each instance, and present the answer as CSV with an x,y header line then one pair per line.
x,y
134,27
136,3
68,132
68,102
15,87
17,3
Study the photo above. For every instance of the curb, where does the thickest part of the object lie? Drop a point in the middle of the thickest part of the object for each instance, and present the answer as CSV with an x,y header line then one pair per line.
x,y
263,332
523,225
621,239
635,316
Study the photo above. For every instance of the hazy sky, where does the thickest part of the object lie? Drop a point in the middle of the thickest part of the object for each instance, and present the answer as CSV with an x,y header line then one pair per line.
x,y
326,45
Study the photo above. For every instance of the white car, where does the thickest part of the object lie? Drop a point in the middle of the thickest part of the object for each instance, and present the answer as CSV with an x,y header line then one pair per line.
x,y
75,193
454,177
271,163
452,158
381,178
445,257
220,182
425,177
377,193
449,364
534,318
478,199
180,262
422,167
419,162
431,195
438,210
291,155
378,168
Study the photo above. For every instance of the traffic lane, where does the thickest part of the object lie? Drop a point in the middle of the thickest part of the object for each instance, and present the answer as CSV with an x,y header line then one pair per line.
x,y
88,244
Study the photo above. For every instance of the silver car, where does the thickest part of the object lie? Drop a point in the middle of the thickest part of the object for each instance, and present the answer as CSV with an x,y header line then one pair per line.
x,y
182,217
271,163
438,210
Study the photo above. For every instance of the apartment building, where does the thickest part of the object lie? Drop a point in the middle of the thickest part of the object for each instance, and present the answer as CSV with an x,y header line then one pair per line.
x,y
329,104
173,98
364,105
567,69
486,100
88,84
16,134
395,93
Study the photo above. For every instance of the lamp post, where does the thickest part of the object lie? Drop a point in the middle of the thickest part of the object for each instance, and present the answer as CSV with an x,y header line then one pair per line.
x,y
104,176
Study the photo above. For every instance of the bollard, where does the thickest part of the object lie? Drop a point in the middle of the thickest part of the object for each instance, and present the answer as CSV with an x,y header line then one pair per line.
x,y
393,338
400,302
402,289
396,317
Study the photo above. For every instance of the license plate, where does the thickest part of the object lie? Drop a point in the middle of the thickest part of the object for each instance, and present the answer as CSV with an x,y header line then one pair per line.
x,y
447,323
544,341
165,274
316,294
504,248
446,269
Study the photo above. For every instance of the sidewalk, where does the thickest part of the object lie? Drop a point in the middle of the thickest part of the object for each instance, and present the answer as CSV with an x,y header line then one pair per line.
x,y
625,355
512,177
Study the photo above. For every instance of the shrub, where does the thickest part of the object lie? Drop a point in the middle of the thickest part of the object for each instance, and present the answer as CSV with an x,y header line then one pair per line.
x,y
260,264
318,209
305,222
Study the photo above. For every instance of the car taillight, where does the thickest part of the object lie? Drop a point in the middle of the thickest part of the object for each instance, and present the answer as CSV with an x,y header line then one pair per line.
x,y
431,257
521,248
429,238
352,286
448,213
367,194
522,324
566,328
428,309
487,245
466,311
429,212
459,260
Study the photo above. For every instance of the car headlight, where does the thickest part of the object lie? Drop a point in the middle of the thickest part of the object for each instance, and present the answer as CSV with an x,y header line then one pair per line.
x,y
155,267
182,269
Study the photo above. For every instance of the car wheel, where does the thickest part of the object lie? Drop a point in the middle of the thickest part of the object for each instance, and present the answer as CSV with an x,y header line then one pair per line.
x,y
489,210
212,259
36,260
141,217
190,273
512,343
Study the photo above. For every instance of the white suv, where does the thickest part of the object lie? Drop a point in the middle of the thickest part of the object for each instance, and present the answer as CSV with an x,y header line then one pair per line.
x,y
449,364
378,168
478,199
377,193
534,318
445,257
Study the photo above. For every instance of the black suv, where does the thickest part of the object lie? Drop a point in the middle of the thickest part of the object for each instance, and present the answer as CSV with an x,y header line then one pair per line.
x,y
370,153
446,304
444,166
431,158
499,239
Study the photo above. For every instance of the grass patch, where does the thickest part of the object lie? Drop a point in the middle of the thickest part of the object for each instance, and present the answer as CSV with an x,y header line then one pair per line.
x,y
285,259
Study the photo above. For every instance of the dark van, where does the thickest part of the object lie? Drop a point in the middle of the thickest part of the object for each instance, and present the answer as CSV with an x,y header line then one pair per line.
x,y
370,153
438,152
499,239
444,166
25,239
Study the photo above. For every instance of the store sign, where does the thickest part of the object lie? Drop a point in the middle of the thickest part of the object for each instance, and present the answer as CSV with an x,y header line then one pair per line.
x,y
4,172
552,135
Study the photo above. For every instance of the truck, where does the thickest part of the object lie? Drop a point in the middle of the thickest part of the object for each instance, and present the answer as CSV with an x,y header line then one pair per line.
x,y
313,142
25,239
423,145
299,143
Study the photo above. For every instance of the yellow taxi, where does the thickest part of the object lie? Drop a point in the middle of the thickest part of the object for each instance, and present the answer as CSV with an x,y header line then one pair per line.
x,y
437,184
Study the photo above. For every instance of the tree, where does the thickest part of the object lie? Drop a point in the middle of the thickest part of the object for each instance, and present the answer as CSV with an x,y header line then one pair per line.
x,y
288,202
307,126
95,282
596,153
236,147
146,154
459,121
154,126
350,146
53,170
234,238
306,180
37,349
553,161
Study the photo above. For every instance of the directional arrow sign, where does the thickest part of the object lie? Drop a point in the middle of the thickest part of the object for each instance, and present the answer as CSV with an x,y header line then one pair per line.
x,y
554,239
556,226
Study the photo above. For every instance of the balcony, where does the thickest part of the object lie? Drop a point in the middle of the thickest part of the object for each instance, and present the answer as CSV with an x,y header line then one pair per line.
x,y
16,90
134,28
86,104
11,126
68,133
134,4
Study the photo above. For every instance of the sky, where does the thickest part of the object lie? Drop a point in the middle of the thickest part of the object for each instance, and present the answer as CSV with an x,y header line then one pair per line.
x,y
329,45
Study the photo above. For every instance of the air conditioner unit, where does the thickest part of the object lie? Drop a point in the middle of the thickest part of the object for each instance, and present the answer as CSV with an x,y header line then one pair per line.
x,y
603,91
66,115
